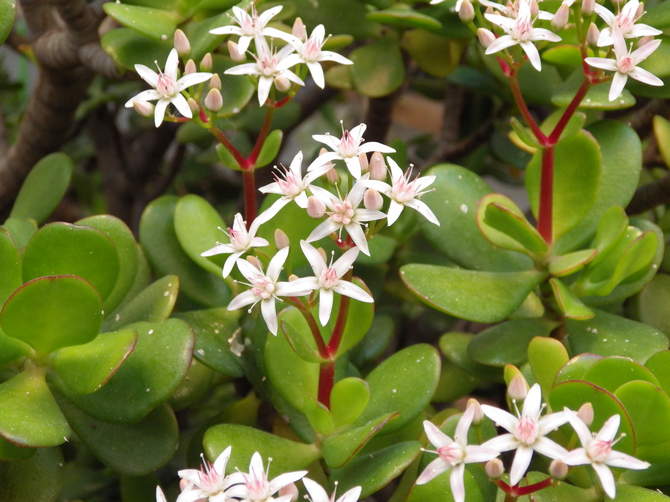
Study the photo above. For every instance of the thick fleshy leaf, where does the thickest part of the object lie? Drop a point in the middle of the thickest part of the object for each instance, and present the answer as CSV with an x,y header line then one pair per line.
x,y
468,294
662,133
378,68
597,98
10,264
577,168
455,382
131,449
299,335
630,493
238,91
340,448
348,399
30,415
154,304
403,383
652,303
20,230
375,342
286,455
576,368
506,343
7,15
340,16
568,303
570,263
39,478
161,245
454,201
147,378
83,369
270,148
546,357
659,364
439,489
194,387
47,182
156,23
404,17
10,451
128,47
612,372
52,312
11,349
375,470
434,54
611,335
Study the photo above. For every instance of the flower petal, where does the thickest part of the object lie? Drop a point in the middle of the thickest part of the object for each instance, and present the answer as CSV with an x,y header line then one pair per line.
x,y
349,289
147,74
218,249
609,428
193,79
316,72
533,402
363,215
222,460
602,63
520,464
549,448
606,479
285,479
620,459
501,417
358,236
270,315
230,263
394,212
249,271
457,484
265,16
159,111
463,425
533,55
344,262
148,95
314,258
315,490
180,103
437,438
553,421
171,64
423,209
243,69
646,77
374,146
583,432
504,442
160,496
277,263
577,456
323,229
475,454
351,495
325,305
226,30
298,287
327,139
618,83
432,470
264,86
242,300
354,166
500,44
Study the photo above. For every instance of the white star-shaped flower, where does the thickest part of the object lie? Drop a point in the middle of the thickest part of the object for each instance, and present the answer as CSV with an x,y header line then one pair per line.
x,y
266,288
167,88
454,454
309,52
256,487
269,67
519,30
597,451
209,483
345,214
348,148
623,23
241,241
526,433
404,191
252,26
318,494
328,279
625,65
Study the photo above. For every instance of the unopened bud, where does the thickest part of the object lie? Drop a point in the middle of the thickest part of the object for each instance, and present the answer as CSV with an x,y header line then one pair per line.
x,y
585,412
494,468
558,469
315,208
560,19
193,105
518,388
373,200
282,84
332,176
206,63
363,161
255,262
588,6
640,11
290,491
214,100
534,8
190,67
478,415
144,108
486,37
466,11
281,239
644,40
181,43
299,30
234,51
184,484
377,167
215,82
592,34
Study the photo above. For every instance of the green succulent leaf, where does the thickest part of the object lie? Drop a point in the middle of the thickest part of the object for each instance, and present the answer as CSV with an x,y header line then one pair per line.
x,y
378,68
128,47
154,304
156,23
10,264
571,306
39,478
340,448
20,230
405,18
567,264
546,357
270,148
597,97
348,399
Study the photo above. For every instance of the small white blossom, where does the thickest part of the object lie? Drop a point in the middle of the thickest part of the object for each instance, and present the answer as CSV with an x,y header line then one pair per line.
x,y
597,451
252,26
209,483
404,191
318,494
167,88
328,279
348,148
256,487
625,65
623,23
526,433
241,241
519,30
345,214
454,454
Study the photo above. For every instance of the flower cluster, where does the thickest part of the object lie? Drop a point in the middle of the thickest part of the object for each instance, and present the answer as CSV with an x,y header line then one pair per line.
x,y
350,213
210,483
520,23
526,434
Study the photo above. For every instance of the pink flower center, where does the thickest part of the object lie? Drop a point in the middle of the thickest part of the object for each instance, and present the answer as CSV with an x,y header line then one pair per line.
x,y
239,240
403,190
348,145
267,65
599,450
623,23
210,481
263,288
311,50
625,64
290,184
526,430
329,278
343,213
166,85
522,30
451,453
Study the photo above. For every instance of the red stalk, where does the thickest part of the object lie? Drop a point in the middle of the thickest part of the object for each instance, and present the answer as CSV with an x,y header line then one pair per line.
x,y
519,491
523,109
313,326
545,217
338,330
326,382
568,113
249,182
262,135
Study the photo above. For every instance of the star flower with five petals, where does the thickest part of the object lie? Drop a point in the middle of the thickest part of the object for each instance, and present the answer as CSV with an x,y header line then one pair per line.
x,y
167,88
209,483
623,23
256,487
526,433
453,454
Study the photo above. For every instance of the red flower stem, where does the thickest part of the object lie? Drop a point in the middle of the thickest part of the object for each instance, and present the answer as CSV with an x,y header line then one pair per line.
x,y
545,217
523,109
340,323
262,135
313,326
221,137
326,382
519,491
569,112
249,185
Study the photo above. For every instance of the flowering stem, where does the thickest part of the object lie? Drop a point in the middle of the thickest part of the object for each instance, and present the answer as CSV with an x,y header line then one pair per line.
x,y
249,183
518,491
523,109
313,326
221,137
545,216
338,330
569,112
326,382
262,135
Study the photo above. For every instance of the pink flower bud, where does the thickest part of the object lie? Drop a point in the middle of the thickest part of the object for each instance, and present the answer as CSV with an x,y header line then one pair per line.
x,y
255,262
315,208
467,11
373,200
214,100
486,37
560,19
235,53
144,108
640,11
193,105
190,67
281,239
534,8
592,34
588,6
181,43
363,160
184,484
282,84
558,469
332,176
299,30
644,40
585,412
206,63
215,82
289,490
479,413
494,468
518,388
377,167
